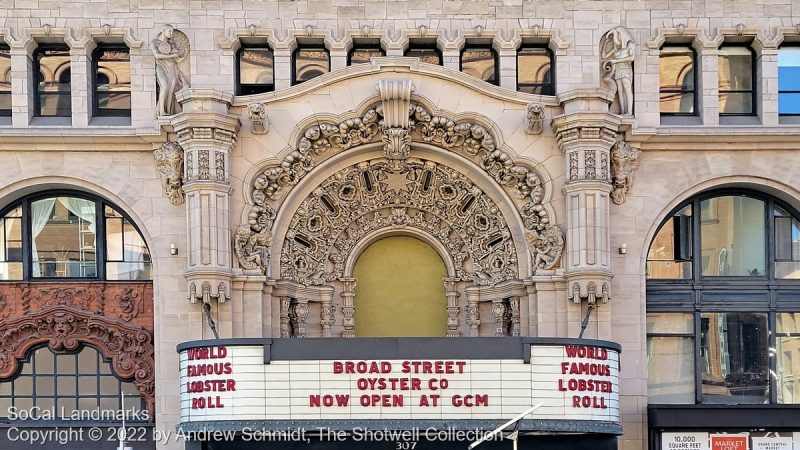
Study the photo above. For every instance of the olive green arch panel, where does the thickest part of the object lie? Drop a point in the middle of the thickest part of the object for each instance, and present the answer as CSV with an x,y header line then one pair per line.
x,y
399,289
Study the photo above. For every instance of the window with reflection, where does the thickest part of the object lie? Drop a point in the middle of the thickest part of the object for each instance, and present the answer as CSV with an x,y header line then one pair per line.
x,y
535,70
480,61
426,51
737,95
52,75
363,52
789,80
723,285
255,69
310,61
112,81
787,351
77,383
5,80
70,236
670,358
677,80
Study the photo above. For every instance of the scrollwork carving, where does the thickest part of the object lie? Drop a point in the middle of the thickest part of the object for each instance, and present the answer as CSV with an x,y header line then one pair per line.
x,y
624,162
545,247
169,162
417,194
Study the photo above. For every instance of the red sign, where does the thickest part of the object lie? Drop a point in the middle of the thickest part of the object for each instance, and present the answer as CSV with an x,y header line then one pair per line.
x,y
729,442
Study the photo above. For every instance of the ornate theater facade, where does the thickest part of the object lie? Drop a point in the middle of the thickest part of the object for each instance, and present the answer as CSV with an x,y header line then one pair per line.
x,y
291,224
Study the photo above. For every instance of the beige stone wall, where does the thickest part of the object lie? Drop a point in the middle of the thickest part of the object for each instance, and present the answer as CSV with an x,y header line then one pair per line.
x,y
117,162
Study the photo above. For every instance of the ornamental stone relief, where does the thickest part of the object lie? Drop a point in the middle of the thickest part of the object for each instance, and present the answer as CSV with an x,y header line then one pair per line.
x,y
624,162
415,194
388,123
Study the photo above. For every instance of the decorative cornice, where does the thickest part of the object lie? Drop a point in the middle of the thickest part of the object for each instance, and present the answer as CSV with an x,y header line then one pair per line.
x,y
680,33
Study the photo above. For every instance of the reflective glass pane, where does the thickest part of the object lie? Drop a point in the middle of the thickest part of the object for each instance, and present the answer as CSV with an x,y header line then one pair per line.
x,y
129,271
109,404
5,389
65,364
114,244
87,360
5,403
256,66
13,228
135,249
676,69
45,385
732,236
66,385
364,55
87,403
426,55
735,69
670,323
67,405
109,385
23,403
670,363
664,260
533,69
63,238
54,81
677,102
113,79
479,63
5,81
735,103
311,63
734,353
788,368
23,385
789,323
787,236
46,403
44,361
87,385
10,270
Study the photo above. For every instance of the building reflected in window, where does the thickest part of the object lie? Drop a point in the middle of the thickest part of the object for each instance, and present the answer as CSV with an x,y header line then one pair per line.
x,y
310,61
535,70
53,81
677,81
255,70
5,80
480,61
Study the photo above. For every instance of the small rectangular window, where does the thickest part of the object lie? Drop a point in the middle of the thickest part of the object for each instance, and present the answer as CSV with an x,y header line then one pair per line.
x,y
789,81
480,61
670,358
256,70
52,77
736,87
360,54
112,81
310,61
787,343
535,70
5,81
787,245
677,81
426,52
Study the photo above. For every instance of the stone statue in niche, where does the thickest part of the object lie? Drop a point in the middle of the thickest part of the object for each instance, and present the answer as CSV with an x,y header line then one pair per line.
x,y
617,51
169,162
171,50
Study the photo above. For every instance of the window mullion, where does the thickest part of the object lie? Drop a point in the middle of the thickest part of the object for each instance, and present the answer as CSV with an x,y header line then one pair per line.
x,y
100,239
773,358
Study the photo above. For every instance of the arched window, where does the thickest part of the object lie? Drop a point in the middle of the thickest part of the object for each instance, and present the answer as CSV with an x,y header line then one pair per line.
x,y
310,60
76,383
535,69
723,302
112,81
255,71
51,68
479,59
55,236
677,80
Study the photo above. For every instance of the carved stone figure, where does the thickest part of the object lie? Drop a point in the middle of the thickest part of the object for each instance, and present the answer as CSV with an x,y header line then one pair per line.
x,y
617,51
396,144
257,113
534,118
171,50
252,248
169,162
545,247
624,162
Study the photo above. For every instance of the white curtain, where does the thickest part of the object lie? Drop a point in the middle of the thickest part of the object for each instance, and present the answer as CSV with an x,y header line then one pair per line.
x,y
81,208
41,211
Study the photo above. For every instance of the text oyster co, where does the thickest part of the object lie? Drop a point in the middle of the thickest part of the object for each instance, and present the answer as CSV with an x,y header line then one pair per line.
x,y
53,413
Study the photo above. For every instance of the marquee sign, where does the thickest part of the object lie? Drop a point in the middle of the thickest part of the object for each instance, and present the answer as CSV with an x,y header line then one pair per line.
x,y
227,382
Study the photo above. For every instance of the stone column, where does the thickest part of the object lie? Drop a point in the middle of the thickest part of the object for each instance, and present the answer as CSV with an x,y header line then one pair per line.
x,y
507,72
451,292
327,313
585,134
348,309
451,57
473,311
207,133
766,83
284,316
298,313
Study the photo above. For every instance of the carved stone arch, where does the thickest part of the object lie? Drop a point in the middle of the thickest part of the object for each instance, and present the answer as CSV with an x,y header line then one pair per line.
x,y
129,347
469,136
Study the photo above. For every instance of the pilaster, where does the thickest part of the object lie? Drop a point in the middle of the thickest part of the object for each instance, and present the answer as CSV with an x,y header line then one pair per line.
x,y
585,134
207,132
